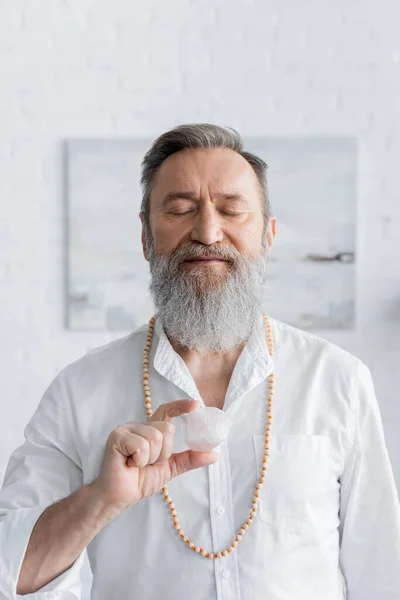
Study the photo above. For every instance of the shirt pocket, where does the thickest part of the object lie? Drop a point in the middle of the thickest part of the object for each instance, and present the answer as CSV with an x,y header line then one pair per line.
x,y
294,493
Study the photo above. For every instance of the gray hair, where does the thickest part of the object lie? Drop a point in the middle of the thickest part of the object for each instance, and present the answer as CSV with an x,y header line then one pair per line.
x,y
194,136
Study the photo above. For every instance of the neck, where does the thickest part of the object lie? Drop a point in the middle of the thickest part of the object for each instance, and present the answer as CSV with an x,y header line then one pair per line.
x,y
211,365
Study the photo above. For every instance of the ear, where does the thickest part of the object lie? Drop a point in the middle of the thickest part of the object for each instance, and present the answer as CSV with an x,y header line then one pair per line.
x,y
145,253
271,232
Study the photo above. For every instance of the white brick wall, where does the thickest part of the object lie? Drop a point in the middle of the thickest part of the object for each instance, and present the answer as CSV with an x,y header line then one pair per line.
x,y
98,68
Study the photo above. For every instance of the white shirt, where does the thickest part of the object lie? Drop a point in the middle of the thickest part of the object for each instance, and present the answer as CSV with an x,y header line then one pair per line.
x,y
329,515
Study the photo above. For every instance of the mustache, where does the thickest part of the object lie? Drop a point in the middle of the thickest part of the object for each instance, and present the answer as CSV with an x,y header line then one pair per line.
x,y
190,251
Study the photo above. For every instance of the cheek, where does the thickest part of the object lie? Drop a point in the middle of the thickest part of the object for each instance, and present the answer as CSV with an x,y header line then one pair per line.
x,y
248,238
167,236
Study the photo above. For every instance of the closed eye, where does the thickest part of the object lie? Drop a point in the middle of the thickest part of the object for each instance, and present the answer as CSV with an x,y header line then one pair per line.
x,y
224,212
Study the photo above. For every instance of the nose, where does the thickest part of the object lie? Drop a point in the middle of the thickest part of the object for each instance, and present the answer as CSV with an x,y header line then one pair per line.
x,y
207,228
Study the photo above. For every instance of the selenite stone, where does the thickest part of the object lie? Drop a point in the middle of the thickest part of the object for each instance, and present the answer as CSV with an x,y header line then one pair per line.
x,y
206,428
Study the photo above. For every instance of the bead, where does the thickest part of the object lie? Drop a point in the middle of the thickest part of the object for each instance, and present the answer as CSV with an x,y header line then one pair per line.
x,y
197,549
219,554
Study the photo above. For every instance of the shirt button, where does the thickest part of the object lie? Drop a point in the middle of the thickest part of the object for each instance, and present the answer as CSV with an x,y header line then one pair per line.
x,y
225,573
221,510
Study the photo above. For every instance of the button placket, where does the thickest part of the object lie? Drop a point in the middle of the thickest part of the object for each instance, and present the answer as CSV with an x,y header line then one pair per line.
x,y
222,525
225,573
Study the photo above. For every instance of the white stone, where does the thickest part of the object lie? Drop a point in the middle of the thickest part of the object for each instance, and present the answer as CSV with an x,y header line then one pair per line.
x,y
206,428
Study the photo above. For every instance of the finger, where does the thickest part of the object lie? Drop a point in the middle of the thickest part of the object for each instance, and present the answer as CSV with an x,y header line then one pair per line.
x,y
168,431
132,445
190,459
160,449
153,433
165,412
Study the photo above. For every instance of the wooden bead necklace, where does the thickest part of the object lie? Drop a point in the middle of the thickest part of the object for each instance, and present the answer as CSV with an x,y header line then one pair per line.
x,y
256,496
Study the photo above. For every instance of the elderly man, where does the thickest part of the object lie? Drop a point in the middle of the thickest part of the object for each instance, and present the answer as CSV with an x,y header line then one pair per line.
x,y
298,501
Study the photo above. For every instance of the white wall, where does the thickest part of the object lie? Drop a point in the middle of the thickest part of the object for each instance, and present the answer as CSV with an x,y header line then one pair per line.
x,y
120,68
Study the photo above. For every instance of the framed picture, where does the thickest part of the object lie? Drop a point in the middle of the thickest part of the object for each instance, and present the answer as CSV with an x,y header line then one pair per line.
x,y
311,269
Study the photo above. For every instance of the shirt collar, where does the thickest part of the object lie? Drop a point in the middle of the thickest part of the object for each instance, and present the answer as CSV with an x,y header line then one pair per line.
x,y
253,365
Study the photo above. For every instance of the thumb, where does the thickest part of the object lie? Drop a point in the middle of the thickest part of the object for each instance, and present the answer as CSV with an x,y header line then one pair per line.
x,y
190,459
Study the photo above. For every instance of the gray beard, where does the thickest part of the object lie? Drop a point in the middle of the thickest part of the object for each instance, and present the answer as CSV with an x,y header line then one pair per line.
x,y
202,308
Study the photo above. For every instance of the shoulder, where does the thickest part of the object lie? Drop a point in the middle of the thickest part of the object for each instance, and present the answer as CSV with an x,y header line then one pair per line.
x,y
314,349
109,360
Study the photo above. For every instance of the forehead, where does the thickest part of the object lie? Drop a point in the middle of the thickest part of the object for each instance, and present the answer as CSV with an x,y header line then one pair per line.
x,y
217,169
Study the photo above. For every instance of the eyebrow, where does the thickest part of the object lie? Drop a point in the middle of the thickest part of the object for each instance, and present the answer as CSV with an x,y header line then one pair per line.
x,y
171,196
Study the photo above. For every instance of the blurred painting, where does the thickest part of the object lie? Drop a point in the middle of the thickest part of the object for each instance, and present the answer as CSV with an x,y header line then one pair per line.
x,y
311,269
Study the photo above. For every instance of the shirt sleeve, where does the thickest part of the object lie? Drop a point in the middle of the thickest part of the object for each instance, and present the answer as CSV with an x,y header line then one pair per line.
x,y
43,470
369,504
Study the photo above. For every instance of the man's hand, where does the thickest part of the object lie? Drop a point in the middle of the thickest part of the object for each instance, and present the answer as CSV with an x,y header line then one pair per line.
x,y
138,459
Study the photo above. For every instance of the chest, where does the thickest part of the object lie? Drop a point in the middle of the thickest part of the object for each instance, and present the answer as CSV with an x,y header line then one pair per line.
x,y
213,392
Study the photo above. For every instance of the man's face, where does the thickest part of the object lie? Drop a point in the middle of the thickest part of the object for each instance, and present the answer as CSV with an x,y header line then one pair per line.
x,y
207,202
